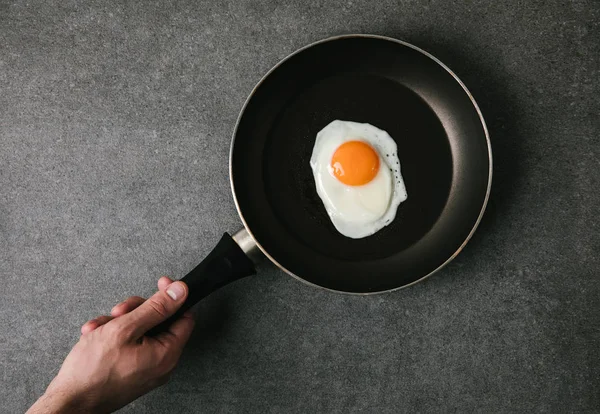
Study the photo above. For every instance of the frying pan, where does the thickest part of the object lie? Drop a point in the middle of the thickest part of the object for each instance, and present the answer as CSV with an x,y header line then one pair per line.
x,y
443,147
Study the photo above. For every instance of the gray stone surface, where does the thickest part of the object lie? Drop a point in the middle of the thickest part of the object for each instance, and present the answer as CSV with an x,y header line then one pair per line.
x,y
115,120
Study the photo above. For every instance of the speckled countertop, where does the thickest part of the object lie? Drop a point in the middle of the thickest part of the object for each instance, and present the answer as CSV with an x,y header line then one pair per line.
x,y
115,120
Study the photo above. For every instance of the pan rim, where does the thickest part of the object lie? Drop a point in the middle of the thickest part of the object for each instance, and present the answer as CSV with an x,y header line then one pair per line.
x,y
403,43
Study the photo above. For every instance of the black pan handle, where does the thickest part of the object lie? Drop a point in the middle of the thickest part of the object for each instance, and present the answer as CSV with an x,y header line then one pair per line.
x,y
226,263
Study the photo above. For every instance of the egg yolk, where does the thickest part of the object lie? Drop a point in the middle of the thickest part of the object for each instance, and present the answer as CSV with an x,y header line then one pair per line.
x,y
355,163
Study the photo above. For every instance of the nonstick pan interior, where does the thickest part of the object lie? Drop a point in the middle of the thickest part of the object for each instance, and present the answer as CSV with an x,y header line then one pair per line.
x,y
443,149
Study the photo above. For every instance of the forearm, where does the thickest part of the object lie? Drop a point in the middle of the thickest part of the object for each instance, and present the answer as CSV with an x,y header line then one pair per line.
x,y
55,402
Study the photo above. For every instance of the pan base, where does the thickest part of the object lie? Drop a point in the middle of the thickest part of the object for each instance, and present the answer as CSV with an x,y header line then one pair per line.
x,y
290,185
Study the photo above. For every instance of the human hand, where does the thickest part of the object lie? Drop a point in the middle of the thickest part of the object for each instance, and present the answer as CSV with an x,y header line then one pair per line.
x,y
114,363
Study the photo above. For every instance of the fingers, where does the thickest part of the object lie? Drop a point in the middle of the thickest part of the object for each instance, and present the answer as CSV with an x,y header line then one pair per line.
x,y
155,310
126,306
119,309
133,302
163,283
122,308
179,333
91,325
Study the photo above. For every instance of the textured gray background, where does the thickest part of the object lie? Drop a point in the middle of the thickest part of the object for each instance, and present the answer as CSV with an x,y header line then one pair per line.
x,y
115,120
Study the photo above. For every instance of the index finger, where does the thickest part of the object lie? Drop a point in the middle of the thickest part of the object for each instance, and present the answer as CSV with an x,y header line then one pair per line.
x,y
158,308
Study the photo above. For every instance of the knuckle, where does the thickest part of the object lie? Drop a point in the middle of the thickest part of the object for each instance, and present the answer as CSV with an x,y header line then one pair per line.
x,y
111,328
118,331
87,324
113,333
159,306
125,332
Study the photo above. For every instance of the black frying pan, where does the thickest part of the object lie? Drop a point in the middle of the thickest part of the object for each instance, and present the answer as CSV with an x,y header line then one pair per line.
x,y
443,147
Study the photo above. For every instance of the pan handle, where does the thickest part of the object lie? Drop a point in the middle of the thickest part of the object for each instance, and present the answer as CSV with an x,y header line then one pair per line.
x,y
230,260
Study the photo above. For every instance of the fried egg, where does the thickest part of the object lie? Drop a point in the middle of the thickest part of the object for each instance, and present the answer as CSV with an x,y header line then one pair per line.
x,y
357,175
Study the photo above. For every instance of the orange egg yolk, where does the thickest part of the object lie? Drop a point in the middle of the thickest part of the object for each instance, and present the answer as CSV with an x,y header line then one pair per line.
x,y
355,163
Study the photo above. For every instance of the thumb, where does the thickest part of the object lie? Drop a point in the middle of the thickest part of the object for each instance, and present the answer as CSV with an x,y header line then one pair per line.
x,y
155,310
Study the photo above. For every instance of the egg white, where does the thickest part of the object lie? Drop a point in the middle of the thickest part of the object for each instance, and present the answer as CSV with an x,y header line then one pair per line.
x,y
358,211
